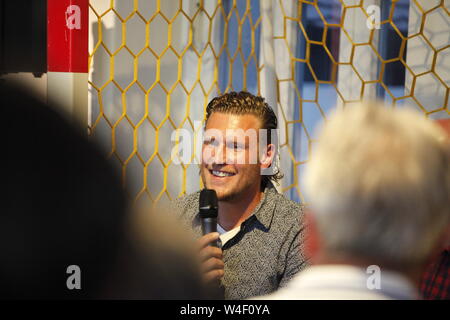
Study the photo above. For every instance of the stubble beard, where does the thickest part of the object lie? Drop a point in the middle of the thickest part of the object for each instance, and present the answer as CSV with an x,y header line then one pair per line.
x,y
230,196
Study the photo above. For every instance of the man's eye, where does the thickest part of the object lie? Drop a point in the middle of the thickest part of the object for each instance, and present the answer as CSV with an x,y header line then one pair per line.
x,y
235,146
211,142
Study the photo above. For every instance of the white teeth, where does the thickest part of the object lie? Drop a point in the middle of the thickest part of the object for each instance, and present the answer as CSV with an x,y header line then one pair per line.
x,y
222,174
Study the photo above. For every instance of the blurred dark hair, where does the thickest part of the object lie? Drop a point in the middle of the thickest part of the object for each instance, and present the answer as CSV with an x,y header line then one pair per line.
x,y
62,203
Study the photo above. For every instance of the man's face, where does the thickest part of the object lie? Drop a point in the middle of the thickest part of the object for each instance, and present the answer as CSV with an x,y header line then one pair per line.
x,y
230,158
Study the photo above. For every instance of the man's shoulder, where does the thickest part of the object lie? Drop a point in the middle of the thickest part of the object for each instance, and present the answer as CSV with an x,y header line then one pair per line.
x,y
287,208
186,204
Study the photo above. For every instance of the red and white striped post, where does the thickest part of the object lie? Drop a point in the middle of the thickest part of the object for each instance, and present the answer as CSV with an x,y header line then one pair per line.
x,y
67,57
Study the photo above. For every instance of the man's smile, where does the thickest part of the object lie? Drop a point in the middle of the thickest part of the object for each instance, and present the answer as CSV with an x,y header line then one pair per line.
x,y
221,173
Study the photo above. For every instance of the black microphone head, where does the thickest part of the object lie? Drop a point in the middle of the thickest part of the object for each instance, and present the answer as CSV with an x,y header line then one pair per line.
x,y
208,204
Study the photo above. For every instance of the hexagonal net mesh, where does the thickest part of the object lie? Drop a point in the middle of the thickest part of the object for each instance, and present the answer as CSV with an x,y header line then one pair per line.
x,y
154,65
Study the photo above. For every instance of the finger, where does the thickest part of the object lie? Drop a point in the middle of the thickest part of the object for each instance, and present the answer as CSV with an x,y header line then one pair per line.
x,y
213,275
210,252
212,264
205,240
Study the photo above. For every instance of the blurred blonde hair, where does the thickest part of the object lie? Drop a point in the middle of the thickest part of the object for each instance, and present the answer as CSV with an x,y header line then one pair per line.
x,y
378,184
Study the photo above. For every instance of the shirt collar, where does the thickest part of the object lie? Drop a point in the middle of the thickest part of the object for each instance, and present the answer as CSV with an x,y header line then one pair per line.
x,y
263,212
265,209
392,284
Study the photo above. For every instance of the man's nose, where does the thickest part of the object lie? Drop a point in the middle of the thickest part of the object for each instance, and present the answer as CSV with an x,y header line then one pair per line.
x,y
219,156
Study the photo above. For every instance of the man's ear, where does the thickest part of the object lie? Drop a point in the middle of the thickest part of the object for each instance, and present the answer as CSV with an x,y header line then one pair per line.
x,y
267,156
312,239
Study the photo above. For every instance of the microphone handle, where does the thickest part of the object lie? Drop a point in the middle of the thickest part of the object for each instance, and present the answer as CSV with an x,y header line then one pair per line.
x,y
210,225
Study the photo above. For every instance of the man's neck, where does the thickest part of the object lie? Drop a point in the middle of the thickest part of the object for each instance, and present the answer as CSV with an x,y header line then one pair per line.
x,y
233,213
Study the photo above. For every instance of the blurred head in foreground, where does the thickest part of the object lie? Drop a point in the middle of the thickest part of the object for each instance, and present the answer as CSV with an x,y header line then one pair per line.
x,y
435,282
378,186
63,205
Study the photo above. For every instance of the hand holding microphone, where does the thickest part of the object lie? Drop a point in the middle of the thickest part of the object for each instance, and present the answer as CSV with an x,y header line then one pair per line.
x,y
209,244
208,211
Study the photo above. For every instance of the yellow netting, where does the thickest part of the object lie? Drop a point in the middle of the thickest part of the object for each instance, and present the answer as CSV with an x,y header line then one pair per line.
x,y
163,19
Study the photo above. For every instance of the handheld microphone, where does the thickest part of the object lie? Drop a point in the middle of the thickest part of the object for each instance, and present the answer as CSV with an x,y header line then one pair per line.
x,y
208,211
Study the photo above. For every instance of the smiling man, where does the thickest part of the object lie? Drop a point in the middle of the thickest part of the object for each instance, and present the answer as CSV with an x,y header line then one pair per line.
x,y
260,230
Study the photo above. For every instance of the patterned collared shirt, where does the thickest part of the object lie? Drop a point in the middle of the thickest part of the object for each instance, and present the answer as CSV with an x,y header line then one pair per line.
x,y
266,252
